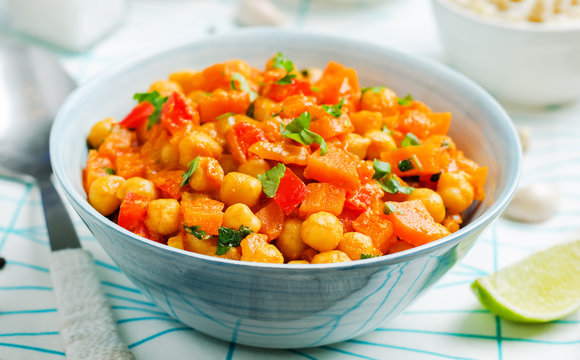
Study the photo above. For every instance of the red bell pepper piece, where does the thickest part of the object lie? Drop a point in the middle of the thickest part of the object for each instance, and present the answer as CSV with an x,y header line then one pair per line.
x,y
176,113
291,192
280,92
138,115
132,212
361,199
247,135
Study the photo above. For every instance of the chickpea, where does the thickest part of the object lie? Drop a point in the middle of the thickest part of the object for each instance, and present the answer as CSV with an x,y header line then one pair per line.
x,y
456,191
189,80
208,176
254,167
383,100
197,143
380,142
330,257
195,95
228,163
298,262
432,201
289,242
138,186
309,254
264,108
224,123
354,244
103,194
321,231
255,248
176,242
209,247
240,188
169,155
312,74
211,129
357,145
240,215
99,132
163,216
365,121
165,87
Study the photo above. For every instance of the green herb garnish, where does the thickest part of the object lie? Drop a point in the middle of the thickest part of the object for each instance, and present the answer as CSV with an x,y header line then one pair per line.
x,y
417,162
367,256
381,168
406,165
196,231
191,167
271,179
410,140
244,86
393,186
109,171
406,101
281,62
446,144
251,109
228,114
298,130
390,208
334,110
375,89
229,238
155,99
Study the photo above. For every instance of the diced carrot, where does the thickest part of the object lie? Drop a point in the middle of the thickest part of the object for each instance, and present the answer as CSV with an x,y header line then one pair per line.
x,y
335,167
220,102
367,196
322,197
272,218
413,223
208,219
378,227
219,76
293,106
365,170
399,246
169,182
278,92
284,153
97,166
421,121
119,141
337,82
199,202
130,165
424,159
329,126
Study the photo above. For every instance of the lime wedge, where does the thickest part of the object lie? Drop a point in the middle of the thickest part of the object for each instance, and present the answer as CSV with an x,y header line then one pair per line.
x,y
542,287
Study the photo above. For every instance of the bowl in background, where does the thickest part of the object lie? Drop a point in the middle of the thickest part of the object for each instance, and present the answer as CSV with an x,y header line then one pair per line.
x,y
518,62
282,306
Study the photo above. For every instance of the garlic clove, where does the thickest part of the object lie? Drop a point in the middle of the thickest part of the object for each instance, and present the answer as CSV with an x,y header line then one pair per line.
x,y
525,134
534,203
259,13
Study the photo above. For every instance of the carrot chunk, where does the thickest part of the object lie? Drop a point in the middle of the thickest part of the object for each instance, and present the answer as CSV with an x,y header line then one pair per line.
x,y
272,218
322,197
336,167
378,227
130,165
413,223
414,160
203,212
284,153
220,102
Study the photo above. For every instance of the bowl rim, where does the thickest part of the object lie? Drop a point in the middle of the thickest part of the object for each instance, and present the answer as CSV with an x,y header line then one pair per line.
x,y
521,26
459,80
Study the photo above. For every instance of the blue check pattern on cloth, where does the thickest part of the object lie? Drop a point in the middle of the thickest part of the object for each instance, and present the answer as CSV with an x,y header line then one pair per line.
x,y
447,323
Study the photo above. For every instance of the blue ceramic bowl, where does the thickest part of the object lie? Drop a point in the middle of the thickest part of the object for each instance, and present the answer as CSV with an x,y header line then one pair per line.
x,y
281,306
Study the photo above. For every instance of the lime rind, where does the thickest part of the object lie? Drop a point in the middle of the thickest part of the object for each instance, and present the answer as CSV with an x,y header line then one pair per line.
x,y
541,288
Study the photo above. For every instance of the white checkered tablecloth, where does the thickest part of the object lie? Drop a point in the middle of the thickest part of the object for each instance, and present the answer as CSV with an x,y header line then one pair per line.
x,y
446,323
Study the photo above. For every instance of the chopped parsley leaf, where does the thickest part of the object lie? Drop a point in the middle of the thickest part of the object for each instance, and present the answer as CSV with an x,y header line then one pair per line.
x,y
196,231
334,110
410,140
367,256
271,179
391,185
417,162
228,114
298,130
287,79
229,238
381,168
155,99
446,144
251,109
109,171
244,86
406,165
391,208
281,62
191,167
375,89
406,101
315,89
